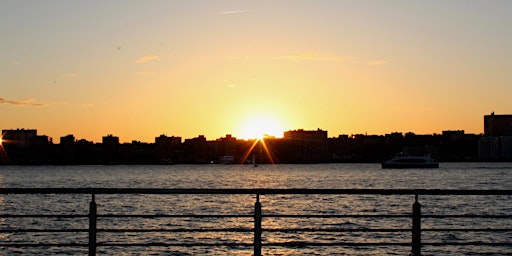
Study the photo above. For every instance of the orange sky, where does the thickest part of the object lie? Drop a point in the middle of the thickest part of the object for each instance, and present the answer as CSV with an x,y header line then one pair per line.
x,y
185,68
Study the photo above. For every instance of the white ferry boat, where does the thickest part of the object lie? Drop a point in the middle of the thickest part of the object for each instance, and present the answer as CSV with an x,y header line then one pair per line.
x,y
403,160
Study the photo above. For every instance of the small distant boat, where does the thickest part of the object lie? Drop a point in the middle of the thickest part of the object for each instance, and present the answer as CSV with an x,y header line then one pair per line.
x,y
227,159
403,160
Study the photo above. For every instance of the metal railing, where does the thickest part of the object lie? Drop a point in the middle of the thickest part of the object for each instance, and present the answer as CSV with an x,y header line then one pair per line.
x,y
257,216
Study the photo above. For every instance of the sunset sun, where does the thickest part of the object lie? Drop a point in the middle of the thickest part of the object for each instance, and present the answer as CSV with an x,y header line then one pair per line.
x,y
260,126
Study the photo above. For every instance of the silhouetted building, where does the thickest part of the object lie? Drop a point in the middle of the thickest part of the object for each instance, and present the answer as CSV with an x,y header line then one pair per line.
x,y
226,150
110,149
306,146
422,144
459,146
19,138
65,151
497,142
197,151
136,153
86,152
167,149
67,140
497,125
110,140
26,147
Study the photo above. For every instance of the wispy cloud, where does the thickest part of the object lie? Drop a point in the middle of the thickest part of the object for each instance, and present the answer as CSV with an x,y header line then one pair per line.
x,y
29,102
147,58
16,62
377,62
310,56
70,75
233,12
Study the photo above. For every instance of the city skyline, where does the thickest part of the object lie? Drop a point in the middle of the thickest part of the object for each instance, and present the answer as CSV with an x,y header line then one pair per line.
x,y
226,135
187,68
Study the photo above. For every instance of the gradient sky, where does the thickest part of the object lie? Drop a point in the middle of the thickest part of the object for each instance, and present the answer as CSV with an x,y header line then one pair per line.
x,y
138,69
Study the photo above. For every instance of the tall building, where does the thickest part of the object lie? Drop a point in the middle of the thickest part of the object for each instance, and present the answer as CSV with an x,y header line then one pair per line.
x,y
67,140
24,146
497,125
110,149
110,140
497,141
306,146
166,149
20,138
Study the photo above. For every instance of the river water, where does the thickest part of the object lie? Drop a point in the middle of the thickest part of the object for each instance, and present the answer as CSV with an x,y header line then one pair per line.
x,y
339,176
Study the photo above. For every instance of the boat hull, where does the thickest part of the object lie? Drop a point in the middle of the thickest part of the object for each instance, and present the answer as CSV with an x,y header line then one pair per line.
x,y
409,165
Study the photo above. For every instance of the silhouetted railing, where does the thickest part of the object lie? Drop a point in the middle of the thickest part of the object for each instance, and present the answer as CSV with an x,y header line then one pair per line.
x,y
257,215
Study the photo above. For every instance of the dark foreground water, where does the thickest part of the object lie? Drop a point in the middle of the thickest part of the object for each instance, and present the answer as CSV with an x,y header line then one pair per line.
x,y
344,176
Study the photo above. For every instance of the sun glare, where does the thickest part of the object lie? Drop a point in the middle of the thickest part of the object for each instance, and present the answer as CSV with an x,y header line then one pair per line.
x,y
259,127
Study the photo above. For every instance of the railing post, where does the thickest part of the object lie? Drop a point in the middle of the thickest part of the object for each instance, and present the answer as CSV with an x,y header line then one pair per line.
x,y
416,227
257,226
92,226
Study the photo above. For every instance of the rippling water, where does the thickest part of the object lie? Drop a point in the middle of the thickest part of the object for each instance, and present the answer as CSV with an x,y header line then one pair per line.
x,y
345,176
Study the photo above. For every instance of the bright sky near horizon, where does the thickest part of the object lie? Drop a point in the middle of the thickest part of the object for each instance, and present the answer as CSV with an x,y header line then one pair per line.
x,y
138,69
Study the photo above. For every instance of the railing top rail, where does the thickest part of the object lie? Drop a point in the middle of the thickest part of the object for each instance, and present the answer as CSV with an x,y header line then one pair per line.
x,y
258,191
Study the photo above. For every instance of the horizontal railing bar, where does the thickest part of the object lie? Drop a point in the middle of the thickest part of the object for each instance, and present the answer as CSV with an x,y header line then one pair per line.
x,y
284,230
251,230
250,216
467,229
43,216
126,244
467,216
174,244
287,244
304,244
173,216
178,230
43,245
287,230
261,191
336,216
467,243
35,230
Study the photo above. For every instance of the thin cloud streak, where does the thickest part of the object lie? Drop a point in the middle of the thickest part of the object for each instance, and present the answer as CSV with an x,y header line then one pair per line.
x,y
147,58
23,102
234,12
